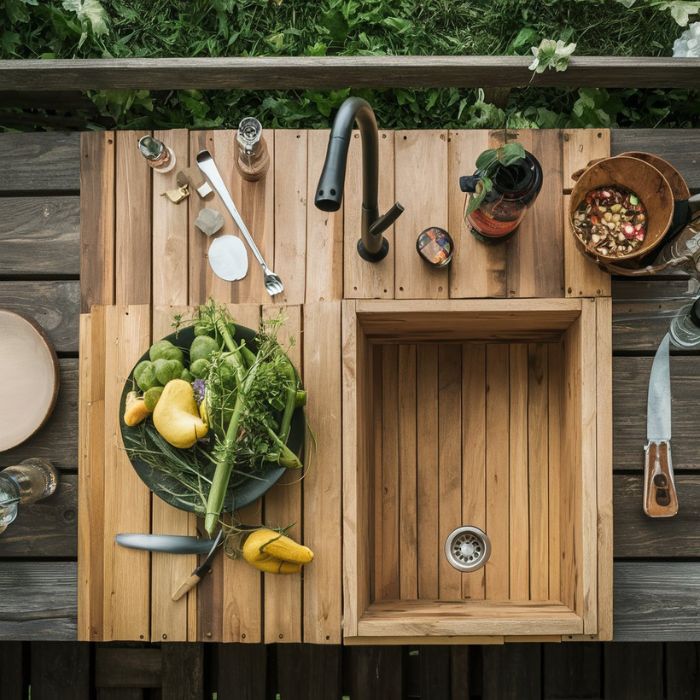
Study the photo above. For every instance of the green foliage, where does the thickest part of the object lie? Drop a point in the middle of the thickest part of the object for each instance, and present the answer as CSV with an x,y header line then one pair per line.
x,y
681,10
160,28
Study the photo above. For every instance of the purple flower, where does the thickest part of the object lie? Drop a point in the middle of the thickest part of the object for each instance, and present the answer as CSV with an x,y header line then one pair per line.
x,y
199,385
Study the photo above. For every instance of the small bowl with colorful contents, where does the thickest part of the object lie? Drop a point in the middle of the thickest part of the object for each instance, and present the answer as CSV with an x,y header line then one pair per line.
x,y
620,209
611,221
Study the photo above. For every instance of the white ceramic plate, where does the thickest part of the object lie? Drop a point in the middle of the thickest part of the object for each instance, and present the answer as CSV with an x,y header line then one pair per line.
x,y
29,380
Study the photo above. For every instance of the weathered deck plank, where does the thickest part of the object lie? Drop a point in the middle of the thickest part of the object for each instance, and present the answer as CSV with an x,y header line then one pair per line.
x,y
38,600
679,146
40,161
657,600
46,528
39,236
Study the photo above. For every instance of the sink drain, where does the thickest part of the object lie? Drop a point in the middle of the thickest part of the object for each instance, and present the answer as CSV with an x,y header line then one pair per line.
x,y
467,548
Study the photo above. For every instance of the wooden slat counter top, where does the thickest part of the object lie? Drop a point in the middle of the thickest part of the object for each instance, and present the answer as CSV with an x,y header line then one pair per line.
x,y
143,260
39,277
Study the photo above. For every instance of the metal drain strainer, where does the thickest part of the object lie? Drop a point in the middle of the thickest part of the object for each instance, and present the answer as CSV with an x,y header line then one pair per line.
x,y
467,548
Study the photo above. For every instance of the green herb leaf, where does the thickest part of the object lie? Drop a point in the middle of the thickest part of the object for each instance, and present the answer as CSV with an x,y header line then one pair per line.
x,y
486,159
524,37
483,187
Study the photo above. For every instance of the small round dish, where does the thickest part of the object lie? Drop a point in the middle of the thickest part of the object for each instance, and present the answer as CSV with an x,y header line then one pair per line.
x,y
242,492
435,246
29,386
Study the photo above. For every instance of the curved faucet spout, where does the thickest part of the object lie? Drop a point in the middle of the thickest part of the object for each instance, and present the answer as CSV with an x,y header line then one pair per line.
x,y
372,245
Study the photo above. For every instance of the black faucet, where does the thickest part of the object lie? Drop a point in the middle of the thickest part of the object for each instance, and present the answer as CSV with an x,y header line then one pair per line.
x,y
372,246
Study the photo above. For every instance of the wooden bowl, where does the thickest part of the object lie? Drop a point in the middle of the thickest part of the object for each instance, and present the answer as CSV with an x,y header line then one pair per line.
x,y
679,187
645,181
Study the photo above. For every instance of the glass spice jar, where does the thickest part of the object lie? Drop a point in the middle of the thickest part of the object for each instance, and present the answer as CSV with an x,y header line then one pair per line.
x,y
514,188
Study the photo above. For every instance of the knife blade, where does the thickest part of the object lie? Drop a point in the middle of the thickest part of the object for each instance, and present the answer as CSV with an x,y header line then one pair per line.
x,y
202,570
173,544
660,498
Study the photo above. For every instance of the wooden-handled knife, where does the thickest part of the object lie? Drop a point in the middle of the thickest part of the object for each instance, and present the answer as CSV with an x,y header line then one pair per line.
x,y
660,498
202,570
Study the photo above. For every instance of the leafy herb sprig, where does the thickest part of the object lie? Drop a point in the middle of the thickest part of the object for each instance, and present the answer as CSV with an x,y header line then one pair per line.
x,y
487,164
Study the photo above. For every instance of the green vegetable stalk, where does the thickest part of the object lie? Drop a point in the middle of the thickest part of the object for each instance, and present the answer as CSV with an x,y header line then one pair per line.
x,y
224,466
245,390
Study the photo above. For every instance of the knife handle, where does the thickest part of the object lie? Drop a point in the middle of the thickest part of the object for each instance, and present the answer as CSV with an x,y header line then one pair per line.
x,y
187,585
660,498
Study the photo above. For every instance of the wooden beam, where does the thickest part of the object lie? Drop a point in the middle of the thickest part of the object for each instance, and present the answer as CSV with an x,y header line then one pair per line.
x,y
284,72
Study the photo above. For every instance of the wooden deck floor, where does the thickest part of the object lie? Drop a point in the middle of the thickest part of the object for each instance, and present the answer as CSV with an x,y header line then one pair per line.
x,y
657,564
582,670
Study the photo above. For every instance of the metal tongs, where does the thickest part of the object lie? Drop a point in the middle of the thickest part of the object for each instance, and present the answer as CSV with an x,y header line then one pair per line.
x,y
206,164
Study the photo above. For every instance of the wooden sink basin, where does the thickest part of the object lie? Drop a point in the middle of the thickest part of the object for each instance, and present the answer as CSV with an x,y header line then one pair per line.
x,y
479,413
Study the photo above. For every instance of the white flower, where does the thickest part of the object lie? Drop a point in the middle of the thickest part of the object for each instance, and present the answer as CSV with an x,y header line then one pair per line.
x,y
551,54
688,44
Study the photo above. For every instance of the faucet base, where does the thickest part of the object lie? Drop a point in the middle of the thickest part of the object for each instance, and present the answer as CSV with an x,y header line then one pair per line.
x,y
373,257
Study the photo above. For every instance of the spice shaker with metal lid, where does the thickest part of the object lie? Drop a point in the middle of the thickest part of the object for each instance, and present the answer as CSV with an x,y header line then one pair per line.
x,y
157,154
253,158
685,327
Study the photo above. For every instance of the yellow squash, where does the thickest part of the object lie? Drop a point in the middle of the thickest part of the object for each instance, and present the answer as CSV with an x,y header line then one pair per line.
x,y
272,552
176,416
135,410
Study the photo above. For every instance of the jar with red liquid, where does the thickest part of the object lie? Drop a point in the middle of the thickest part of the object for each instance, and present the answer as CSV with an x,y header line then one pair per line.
x,y
514,188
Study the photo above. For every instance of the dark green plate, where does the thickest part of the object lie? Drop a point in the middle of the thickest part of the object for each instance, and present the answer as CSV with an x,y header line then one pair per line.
x,y
241,494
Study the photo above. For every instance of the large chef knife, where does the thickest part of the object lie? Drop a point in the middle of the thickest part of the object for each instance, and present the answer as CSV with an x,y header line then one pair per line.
x,y
173,544
660,498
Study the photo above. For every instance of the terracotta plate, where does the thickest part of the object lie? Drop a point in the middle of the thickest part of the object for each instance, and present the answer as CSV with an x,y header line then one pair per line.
x,y
29,383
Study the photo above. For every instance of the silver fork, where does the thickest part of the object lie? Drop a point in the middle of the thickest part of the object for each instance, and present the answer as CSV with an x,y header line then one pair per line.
x,y
206,164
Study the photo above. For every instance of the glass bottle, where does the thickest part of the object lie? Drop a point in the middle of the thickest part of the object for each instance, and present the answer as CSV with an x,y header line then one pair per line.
x,y
157,154
685,327
514,189
27,482
253,158
685,245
